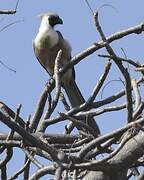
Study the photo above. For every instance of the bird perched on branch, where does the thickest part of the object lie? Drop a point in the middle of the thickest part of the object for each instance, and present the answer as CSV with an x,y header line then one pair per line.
x,y
47,44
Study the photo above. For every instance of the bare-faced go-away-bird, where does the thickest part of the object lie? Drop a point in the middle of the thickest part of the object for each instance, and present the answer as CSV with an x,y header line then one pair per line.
x,y
47,44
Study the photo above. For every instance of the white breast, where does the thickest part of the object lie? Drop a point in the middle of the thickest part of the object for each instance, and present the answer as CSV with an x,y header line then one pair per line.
x,y
46,32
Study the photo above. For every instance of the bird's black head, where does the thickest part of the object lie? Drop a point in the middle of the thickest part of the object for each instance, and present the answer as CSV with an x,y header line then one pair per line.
x,y
54,19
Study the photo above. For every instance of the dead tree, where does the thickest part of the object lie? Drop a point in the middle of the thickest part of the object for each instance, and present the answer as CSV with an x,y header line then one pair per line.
x,y
81,155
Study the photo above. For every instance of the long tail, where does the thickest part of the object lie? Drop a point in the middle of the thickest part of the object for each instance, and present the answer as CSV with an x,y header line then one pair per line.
x,y
76,99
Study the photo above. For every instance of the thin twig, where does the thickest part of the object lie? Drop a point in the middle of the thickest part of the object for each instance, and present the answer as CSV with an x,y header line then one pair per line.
x,y
39,110
10,113
100,83
64,101
13,177
130,61
9,154
106,5
74,175
57,77
10,24
10,136
102,91
43,171
7,67
138,111
32,158
79,123
17,5
136,93
58,173
57,85
100,111
89,6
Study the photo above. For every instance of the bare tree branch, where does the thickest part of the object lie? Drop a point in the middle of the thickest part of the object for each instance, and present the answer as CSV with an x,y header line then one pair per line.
x,y
10,11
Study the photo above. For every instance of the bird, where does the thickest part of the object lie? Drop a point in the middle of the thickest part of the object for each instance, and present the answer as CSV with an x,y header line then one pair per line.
x,y
46,45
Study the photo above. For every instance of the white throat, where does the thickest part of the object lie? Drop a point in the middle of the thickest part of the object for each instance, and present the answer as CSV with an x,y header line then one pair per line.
x,y
46,31
44,26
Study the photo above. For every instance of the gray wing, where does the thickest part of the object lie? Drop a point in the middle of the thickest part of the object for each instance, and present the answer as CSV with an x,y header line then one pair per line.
x,y
33,44
69,49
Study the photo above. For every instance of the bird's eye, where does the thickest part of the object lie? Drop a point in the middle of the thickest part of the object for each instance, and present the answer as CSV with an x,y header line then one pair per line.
x,y
52,18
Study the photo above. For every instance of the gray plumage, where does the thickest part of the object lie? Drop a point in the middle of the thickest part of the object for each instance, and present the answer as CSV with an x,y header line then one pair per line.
x,y
46,46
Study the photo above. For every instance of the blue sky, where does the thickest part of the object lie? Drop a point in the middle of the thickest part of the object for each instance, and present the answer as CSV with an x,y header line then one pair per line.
x,y
27,83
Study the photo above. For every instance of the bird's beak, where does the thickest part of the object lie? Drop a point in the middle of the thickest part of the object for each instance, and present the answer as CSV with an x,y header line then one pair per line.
x,y
60,21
